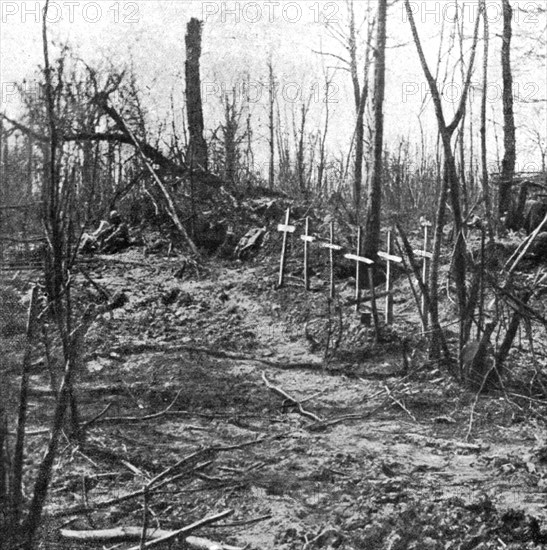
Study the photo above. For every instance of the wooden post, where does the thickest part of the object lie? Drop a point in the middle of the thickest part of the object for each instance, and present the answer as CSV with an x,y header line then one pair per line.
x,y
370,271
425,269
389,298
358,259
331,258
307,240
389,295
426,256
285,229
358,270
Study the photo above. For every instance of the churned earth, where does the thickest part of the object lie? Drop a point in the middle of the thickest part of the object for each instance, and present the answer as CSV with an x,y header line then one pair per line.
x,y
381,450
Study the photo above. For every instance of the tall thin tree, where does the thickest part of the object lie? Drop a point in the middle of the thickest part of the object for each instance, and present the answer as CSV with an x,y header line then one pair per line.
x,y
374,195
509,140
449,183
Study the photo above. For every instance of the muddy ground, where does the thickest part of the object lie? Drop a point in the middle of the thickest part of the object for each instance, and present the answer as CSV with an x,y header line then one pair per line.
x,y
388,451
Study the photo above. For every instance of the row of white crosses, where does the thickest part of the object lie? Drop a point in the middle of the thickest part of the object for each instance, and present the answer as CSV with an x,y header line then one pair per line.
x,y
360,262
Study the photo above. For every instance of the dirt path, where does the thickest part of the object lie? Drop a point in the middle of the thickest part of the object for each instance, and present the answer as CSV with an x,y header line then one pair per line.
x,y
390,467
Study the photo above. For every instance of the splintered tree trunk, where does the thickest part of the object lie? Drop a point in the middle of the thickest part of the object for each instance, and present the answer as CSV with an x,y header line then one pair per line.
x,y
509,157
230,128
197,152
372,227
271,91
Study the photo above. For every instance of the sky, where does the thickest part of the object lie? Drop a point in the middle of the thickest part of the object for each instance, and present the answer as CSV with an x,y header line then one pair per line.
x,y
240,37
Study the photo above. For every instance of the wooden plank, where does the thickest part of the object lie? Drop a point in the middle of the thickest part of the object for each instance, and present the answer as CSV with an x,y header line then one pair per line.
x,y
360,259
390,257
286,228
335,247
423,254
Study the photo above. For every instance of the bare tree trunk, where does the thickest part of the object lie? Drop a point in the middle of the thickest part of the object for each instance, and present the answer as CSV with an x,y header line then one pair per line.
x,y
54,273
509,142
484,159
18,454
198,147
323,140
300,164
271,91
229,130
374,198
3,194
4,468
360,98
450,179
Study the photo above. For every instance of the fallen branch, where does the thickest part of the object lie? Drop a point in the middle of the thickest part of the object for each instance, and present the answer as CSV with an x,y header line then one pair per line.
x,y
157,157
100,289
132,534
96,418
399,403
116,534
184,530
200,543
140,348
291,399
318,426
134,418
321,538
246,521
129,496
171,208
526,244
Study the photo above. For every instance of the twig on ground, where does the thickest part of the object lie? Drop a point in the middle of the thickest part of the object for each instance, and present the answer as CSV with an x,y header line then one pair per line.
x,y
320,537
135,494
400,403
245,521
100,289
134,418
291,399
91,421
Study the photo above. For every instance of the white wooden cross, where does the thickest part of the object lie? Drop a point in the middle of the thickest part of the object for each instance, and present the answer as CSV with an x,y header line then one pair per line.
x,y
332,249
389,258
285,229
307,238
426,257
358,259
